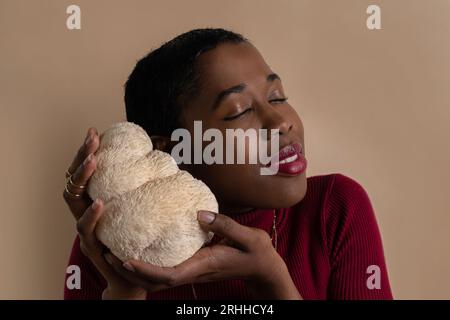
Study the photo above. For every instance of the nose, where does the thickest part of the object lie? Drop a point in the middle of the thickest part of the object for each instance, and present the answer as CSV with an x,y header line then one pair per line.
x,y
272,119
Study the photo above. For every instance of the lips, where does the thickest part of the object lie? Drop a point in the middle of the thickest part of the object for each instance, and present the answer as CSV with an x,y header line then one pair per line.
x,y
290,160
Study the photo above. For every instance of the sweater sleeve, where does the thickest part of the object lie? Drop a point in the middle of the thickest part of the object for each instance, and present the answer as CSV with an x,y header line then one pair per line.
x,y
358,268
92,282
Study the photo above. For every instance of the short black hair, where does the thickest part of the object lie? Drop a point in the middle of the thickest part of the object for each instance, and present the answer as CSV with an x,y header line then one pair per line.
x,y
168,73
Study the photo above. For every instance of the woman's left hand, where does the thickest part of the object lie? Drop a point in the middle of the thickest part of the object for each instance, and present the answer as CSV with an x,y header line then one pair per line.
x,y
244,253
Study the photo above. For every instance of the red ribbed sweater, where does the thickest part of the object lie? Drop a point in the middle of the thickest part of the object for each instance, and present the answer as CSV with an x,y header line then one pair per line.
x,y
328,240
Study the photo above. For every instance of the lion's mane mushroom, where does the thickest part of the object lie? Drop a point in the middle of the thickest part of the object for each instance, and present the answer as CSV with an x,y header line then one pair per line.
x,y
150,204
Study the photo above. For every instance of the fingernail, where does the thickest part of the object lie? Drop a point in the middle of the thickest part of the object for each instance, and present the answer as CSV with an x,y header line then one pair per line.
x,y
89,158
96,204
88,139
108,258
128,266
206,216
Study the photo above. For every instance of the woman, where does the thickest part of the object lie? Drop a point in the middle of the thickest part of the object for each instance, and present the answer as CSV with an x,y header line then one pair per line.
x,y
280,236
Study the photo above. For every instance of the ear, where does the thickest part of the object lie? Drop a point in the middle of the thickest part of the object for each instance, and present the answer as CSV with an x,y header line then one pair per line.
x,y
161,143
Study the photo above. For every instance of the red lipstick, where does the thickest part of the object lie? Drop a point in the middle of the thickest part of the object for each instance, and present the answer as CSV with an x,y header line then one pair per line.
x,y
290,160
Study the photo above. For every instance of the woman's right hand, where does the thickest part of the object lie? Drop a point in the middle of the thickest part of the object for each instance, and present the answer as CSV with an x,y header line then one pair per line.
x,y
87,213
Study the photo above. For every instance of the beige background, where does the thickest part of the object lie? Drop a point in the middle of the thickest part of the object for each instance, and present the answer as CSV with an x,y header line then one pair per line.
x,y
375,105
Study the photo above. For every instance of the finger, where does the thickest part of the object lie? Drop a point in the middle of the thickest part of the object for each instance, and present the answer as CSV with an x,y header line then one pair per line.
x,y
226,227
227,242
90,145
88,221
81,177
203,264
131,276
75,193
91,247
76,198
89,244
151,273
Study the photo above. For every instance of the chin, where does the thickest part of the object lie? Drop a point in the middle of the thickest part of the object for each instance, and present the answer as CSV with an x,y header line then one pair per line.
x,y
289,200
292,198
285,192
292,192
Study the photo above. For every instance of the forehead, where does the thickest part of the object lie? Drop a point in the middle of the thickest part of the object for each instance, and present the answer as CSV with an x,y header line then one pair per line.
x,y
230,64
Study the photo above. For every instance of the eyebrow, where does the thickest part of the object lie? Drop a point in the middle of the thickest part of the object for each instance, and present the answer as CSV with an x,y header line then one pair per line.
x,y
238,89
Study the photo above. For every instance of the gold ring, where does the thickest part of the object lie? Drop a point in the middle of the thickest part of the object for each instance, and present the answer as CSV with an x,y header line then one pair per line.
x,y
75,185
68,174
75,195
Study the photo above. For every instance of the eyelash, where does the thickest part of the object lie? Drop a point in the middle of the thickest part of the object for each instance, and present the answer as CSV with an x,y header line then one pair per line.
x,y
278,101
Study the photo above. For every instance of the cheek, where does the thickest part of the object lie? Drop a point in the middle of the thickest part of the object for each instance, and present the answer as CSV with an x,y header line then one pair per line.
x,y
229,183
242,185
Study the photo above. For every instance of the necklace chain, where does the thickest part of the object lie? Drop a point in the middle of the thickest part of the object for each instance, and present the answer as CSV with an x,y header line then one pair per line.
x,y
274,236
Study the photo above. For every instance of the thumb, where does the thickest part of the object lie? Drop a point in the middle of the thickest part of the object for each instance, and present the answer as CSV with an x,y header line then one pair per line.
x,y
225,227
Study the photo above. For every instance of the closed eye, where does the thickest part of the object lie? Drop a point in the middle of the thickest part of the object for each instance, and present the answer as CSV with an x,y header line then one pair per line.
x,y
276,101
237,115
279,100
